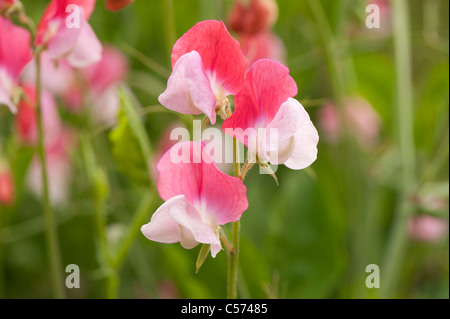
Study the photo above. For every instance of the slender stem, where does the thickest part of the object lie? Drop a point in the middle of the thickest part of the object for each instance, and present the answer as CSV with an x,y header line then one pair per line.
x,y
397,241
51,234
233,262
226,242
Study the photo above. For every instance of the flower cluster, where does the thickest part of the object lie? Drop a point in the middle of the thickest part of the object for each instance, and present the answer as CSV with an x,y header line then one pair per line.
x,y
79,73
208,66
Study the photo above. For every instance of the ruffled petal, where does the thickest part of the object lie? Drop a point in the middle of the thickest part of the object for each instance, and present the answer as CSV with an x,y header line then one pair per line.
x,y
189,89
187,169
15,48
221,54
306,140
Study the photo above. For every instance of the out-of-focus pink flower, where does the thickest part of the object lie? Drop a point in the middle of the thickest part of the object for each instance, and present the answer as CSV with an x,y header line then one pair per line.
x,y
263,45
198,198
67,34
26,119
6,187
207,66
102,79
116,5
164,144
427,228
15,53
5,4
361,119
274,126
254,17
58,77
59,168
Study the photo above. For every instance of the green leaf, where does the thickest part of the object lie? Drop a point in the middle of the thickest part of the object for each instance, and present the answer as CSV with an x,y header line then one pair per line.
x,y
204,251
130,144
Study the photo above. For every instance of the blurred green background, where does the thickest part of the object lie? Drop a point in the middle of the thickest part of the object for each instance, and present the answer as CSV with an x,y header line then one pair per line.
x,y
311,237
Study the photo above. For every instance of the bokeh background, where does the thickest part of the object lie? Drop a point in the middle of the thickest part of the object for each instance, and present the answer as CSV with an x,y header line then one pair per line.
x,y
314,235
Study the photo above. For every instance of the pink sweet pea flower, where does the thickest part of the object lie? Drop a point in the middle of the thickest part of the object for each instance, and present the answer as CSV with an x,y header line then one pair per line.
x,y
116,5
6,187
5,4
207,66
15,53
102,79
274,126
26,119
67,34
198,198
427,228
264,45
59,168
254,17
361,118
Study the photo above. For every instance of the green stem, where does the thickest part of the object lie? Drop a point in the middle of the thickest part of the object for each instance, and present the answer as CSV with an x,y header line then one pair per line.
x,y
397,241
140,216
233,262
169,26
51,234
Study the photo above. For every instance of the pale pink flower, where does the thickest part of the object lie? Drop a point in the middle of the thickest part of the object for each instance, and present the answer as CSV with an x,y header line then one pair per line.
x,y
63,38
58,76
254,17
274,126
102,80
360,118
59,168
6,187
198,198
263,45
207,66
427,228
15,53
26,119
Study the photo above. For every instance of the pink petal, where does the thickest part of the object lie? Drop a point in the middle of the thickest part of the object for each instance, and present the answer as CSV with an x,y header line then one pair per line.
x,y
252,17
177,220
223,197
87,49
110,70
306,139
56,10
221,54
278,141
15,48
263,45
267,86
189,89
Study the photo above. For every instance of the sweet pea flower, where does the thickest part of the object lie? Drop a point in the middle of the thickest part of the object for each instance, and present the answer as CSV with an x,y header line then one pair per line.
x,y
26,120
361,118
6,187
116,5
59,168
274,126
102,80
264,45
15,53
198,198
427,228
5,4
65,32
207,66
254,17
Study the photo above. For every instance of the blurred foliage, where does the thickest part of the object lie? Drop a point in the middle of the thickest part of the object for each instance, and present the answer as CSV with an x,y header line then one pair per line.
x,y
312,236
